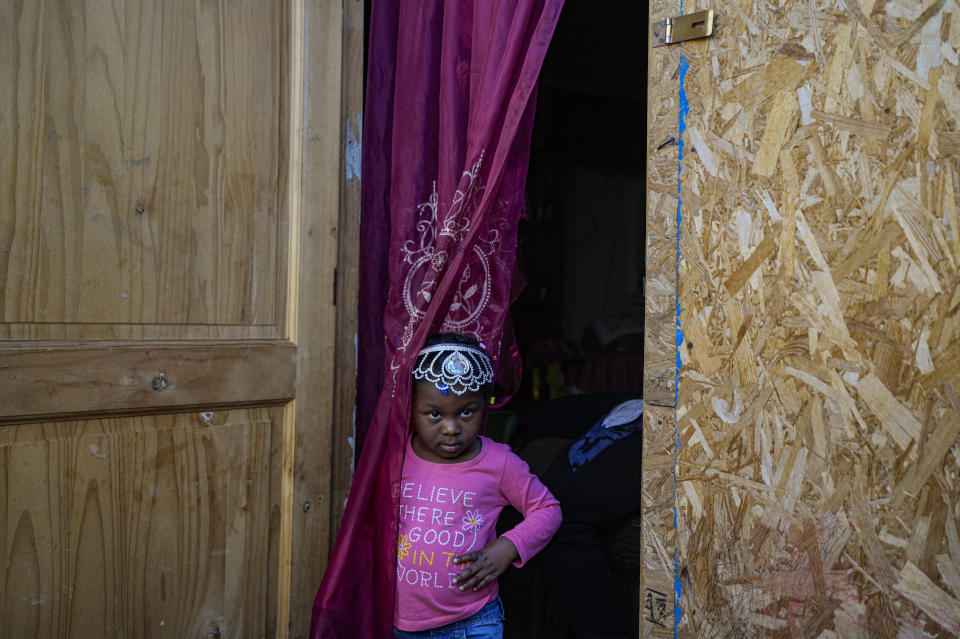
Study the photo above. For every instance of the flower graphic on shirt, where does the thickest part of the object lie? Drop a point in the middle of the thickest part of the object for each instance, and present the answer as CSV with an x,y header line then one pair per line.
x,y
472,522
403,547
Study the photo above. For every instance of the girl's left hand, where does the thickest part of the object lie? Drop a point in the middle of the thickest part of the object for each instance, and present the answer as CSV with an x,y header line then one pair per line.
x,y
486,564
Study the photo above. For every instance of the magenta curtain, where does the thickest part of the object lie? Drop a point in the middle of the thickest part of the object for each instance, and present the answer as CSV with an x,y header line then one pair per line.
x,y
449,110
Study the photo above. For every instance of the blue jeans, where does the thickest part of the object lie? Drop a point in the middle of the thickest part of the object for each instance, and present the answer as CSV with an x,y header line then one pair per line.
x,y
486,623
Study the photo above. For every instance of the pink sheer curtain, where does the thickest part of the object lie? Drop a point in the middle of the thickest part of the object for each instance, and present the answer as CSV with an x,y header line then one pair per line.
x,y
449,109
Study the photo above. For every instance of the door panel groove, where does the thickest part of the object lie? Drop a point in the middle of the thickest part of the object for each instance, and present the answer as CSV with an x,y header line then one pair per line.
x,y
42,380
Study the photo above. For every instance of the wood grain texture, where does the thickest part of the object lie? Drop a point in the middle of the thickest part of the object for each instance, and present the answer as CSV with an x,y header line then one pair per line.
x,y
175,175
659,352
50,378
149,526
348,261
819,293
138,178
319,193
154,332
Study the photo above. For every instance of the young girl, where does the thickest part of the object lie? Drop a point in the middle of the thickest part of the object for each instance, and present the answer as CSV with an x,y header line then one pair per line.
x,y
453,486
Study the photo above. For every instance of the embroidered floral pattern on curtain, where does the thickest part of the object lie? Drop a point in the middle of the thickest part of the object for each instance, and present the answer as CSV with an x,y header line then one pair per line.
x,y
440,233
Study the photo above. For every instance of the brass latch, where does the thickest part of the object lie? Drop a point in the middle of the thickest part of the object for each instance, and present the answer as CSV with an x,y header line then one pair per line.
x,y
682,28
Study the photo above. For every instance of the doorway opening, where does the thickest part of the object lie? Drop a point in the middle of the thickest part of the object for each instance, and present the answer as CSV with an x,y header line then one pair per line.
x,y
579,318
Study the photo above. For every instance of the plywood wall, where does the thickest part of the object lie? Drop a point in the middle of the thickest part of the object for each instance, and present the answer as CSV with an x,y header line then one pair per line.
x,y
660,320
818,490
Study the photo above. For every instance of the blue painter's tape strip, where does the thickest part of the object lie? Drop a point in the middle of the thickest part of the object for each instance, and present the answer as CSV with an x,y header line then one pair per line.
x,y
677,584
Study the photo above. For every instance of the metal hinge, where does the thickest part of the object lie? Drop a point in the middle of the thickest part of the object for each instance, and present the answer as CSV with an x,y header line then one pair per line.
x,y
682,28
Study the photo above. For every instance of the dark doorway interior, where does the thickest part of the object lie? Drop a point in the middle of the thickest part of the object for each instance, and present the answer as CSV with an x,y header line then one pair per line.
x,y
579,319
582,244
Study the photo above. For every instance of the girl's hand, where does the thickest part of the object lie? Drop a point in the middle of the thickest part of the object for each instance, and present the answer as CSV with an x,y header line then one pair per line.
x,y
486,564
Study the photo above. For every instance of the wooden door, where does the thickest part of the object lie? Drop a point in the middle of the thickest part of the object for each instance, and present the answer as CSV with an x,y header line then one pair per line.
x,y
176,356
804,310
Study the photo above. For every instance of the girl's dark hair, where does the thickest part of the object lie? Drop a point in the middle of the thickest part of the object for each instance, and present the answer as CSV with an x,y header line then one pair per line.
x,y
452,338
456,338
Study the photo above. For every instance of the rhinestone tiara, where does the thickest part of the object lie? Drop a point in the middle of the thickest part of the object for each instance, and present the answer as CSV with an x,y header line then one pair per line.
x,y
465,368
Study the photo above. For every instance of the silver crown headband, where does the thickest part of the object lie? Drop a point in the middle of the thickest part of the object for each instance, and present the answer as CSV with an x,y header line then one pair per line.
x,y
465,368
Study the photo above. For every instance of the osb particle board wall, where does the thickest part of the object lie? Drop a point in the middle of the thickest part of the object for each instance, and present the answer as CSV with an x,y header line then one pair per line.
x,y
818,411
660,375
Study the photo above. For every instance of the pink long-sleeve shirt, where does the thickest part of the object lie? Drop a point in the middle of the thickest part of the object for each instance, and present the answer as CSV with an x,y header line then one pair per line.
x,y
452,509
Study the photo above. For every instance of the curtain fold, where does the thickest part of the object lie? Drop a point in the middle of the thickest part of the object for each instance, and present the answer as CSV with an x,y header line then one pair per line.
x,y
447,122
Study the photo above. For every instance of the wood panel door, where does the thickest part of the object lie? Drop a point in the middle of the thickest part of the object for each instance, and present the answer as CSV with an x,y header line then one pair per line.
x,y
176,360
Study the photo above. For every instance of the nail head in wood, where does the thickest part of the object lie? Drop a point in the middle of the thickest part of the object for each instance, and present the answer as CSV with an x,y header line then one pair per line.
x,y
160,383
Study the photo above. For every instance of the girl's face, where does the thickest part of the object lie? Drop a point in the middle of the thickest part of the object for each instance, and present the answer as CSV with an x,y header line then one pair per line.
x,y
447,426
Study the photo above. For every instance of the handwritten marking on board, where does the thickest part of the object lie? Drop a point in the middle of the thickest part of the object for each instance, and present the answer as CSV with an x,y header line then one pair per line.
x,y
655,607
